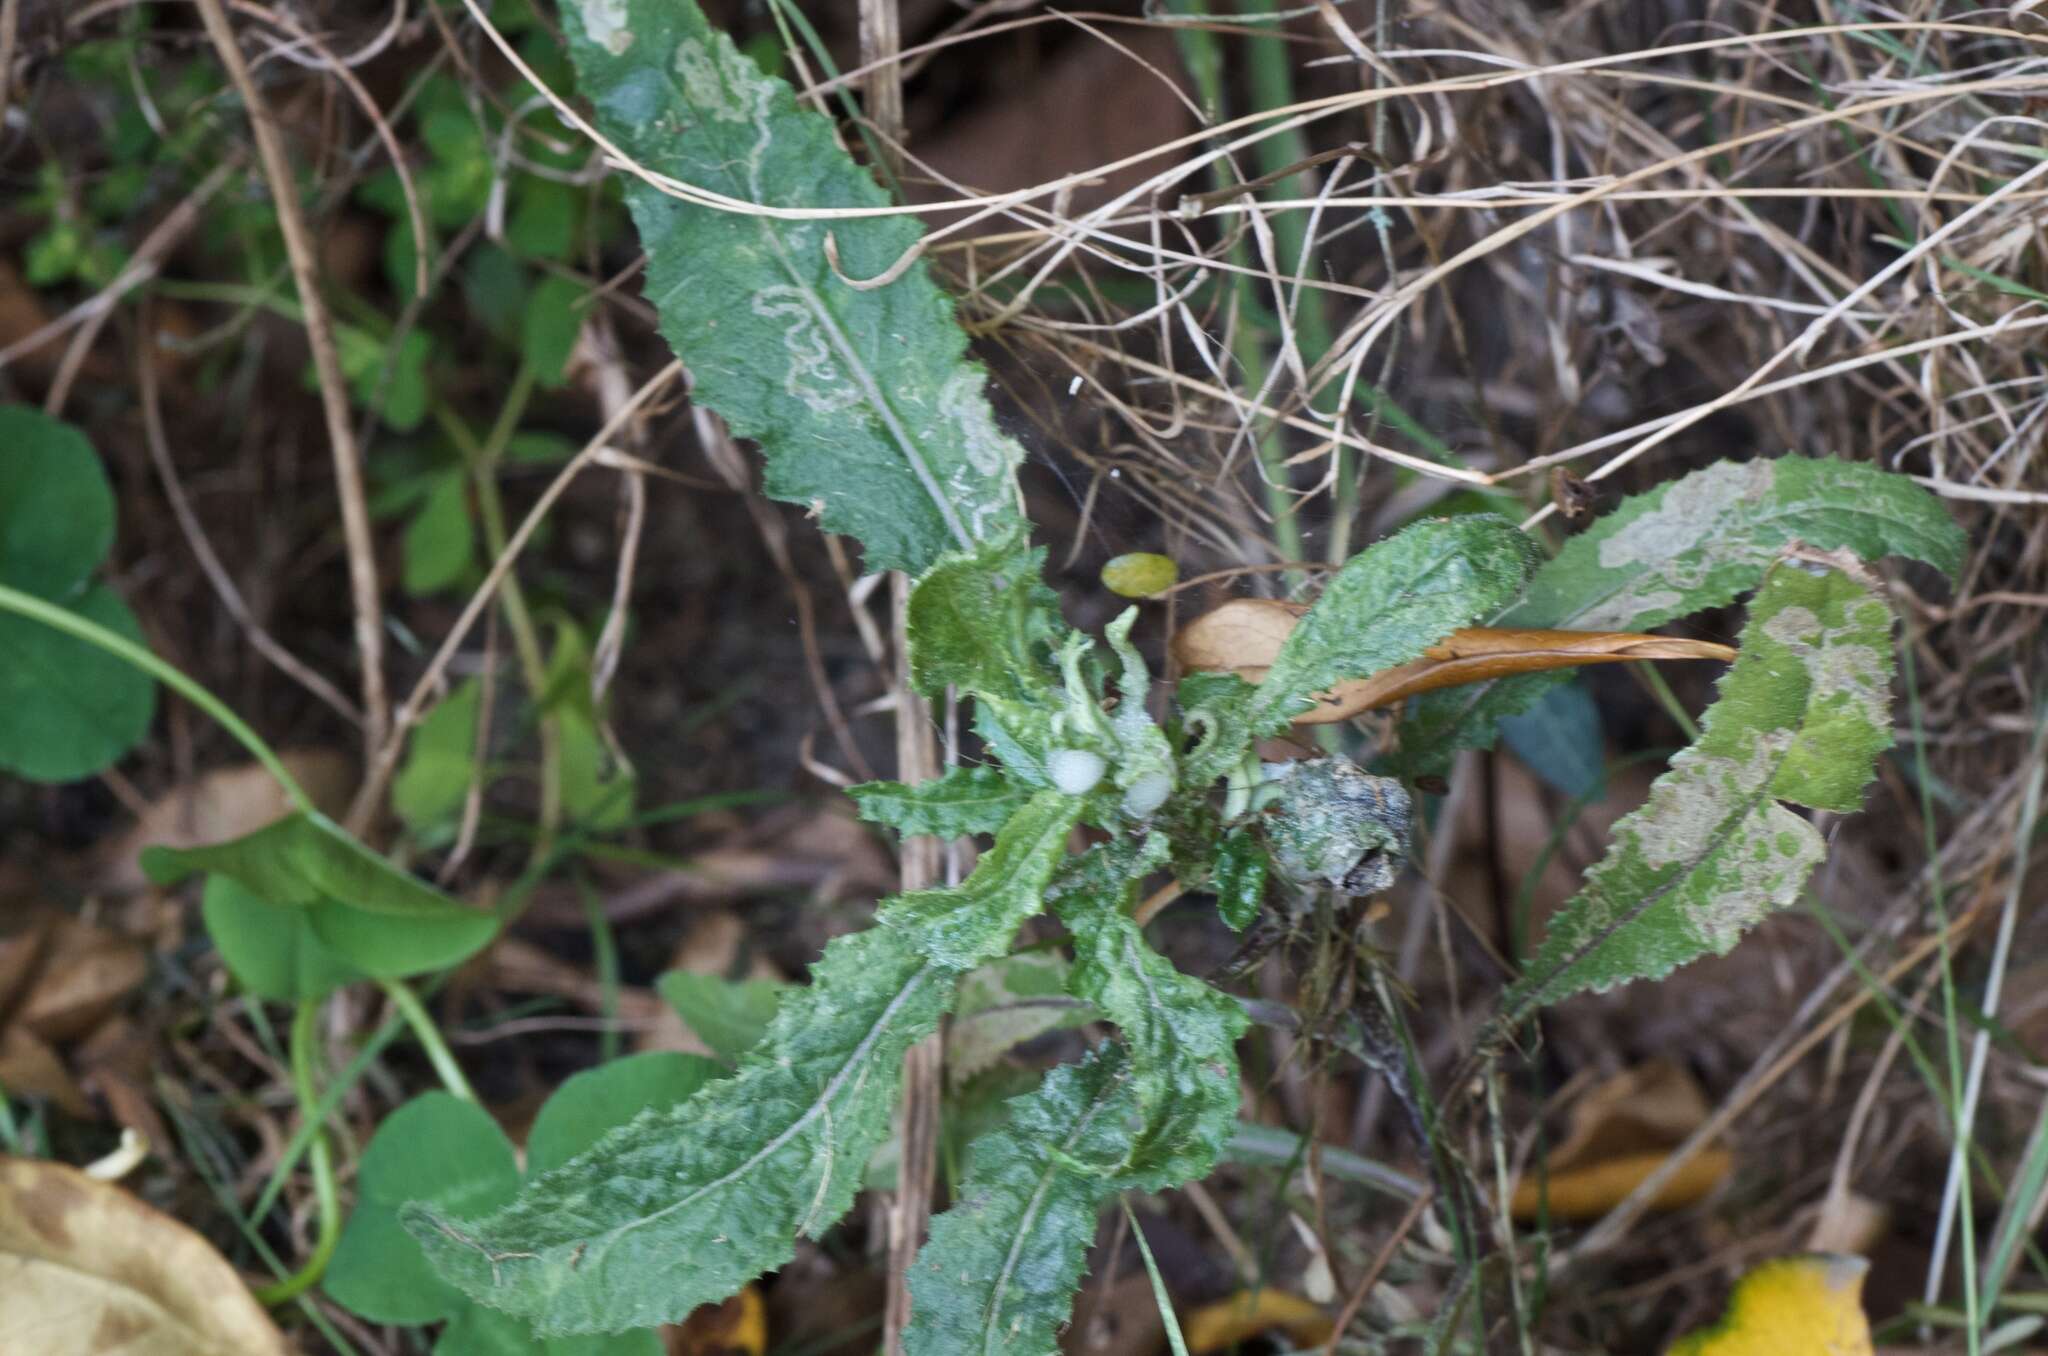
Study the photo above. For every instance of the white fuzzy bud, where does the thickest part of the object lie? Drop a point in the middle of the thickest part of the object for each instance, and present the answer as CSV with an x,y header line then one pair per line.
x,y
1075,771
1147,794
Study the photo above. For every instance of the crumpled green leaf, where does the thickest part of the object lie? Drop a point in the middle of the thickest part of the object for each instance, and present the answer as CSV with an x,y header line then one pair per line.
x,y
966,800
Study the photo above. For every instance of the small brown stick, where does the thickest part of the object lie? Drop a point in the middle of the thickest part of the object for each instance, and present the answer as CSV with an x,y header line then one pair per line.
x,y
1356,1300
348,471
231,598
10,30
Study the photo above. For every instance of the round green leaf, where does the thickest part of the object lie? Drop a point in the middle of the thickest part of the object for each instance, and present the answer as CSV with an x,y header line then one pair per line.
x,y
67,708
56,508
389,946
272,949
597,1100
434,1148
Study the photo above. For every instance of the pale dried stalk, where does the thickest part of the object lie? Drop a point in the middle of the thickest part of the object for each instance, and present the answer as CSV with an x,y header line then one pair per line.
x,y
348,470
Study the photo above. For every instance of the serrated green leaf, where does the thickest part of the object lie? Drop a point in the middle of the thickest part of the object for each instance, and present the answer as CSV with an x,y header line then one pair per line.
x,y
1391,602
773,1151
56,508
966,800
67,707
1000,1269
1694,543
596,1101
1801,717
363,908
863,401
729,1015
983,621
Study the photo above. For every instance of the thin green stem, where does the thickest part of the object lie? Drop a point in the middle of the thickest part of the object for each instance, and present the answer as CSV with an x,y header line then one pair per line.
x,y
326,1198
428,1035
126,650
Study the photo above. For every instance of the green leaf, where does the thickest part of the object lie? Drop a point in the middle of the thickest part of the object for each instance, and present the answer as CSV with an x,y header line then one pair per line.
x,y
966,800
597,1101
436,1147
1239,879
597,790
775,1150
863,401
1006,1003
1391,602
1801,717
440,541
729,1015
440,760
441,1148
68,708
1694,543
1559,738
273,953
554,317
543,220
364,909
983,621
56,508
1000,1269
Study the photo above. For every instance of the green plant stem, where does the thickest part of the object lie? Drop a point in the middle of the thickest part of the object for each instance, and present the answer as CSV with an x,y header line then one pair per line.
x,y
122,648
326,1199
415,1015
483,458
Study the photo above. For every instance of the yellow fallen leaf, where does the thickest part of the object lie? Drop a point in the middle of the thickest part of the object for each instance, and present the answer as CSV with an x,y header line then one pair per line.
x,y
86,1269
1620,1132
1790,1306
1248,1313
1590,1192
1243,635
1140,574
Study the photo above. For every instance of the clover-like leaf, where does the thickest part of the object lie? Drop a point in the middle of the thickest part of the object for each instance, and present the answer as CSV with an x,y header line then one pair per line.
x,y
361,907
448,1151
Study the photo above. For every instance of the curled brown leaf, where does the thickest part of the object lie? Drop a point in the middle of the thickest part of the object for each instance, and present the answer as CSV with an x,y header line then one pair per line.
x,y
1243,636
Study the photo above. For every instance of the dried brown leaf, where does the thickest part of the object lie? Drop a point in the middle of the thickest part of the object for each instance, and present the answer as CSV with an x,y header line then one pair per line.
x,y
1243,636
89,1270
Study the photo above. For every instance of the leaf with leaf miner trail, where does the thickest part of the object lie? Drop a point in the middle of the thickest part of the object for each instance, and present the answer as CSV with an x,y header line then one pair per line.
x,y
863,400
1691,544
683,1206
1801,717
